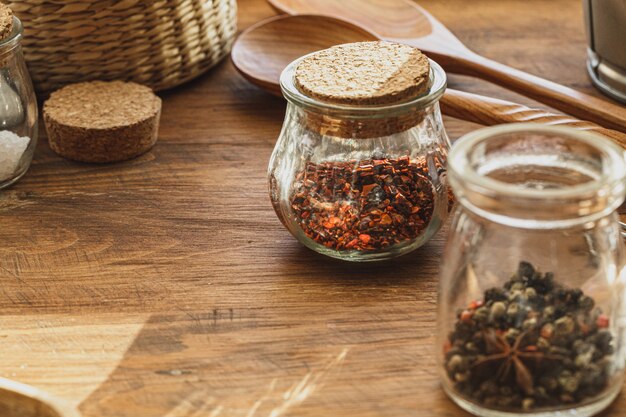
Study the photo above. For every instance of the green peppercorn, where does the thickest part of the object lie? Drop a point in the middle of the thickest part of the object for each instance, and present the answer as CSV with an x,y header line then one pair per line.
x,y
543,343
530,293
461,376
586,303
548,311
549,383
513,310
568,382
564,326
527,404
470,347
584,359
455,364
511,335
498,309
481,315
529,324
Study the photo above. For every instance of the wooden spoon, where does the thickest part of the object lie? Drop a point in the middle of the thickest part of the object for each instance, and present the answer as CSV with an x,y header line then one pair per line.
x,y
406,22
19,400
265,49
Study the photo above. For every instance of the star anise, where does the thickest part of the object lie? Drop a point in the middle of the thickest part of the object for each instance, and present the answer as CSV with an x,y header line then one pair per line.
x,y
513,357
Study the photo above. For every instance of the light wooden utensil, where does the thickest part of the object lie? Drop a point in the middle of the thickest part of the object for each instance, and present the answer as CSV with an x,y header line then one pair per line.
x,y
19,400
406,22
265,49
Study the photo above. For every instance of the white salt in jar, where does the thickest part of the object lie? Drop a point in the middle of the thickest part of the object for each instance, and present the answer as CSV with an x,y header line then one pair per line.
x,y
18,104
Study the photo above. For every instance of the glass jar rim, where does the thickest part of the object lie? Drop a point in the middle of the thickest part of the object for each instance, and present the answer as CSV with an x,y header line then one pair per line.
x,y
613,156
438,84
13,39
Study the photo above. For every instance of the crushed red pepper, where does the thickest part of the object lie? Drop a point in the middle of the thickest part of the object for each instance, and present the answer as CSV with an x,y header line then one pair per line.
x,y
363,205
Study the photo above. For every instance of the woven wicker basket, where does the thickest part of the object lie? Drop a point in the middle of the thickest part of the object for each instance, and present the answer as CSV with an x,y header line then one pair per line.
x,y
159,43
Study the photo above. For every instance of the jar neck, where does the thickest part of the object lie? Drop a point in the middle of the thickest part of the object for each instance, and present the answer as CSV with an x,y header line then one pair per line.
x,y
536,176
8,45
347,127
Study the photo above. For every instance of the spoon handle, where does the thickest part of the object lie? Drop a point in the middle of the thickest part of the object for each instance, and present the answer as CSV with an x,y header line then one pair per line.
x,y
568,100
490,111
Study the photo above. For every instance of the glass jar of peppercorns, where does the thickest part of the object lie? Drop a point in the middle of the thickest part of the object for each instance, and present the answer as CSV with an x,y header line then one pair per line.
x,y
358,172
531,299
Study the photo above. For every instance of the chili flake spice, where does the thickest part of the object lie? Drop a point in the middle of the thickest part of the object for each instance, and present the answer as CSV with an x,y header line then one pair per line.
x,y
354,193
363,205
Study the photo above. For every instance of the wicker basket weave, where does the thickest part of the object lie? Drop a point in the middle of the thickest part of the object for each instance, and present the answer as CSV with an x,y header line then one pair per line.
x,y
159,43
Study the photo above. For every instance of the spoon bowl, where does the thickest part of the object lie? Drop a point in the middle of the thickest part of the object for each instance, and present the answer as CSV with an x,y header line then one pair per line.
x,y
259,58
19,400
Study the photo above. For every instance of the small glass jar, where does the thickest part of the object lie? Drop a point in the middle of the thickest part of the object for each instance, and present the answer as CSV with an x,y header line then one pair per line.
x,y
531,297
18,110
622,218
361,183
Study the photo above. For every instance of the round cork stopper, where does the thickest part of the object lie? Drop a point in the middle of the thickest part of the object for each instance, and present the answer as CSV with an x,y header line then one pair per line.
x,y
102,121
364,73
6,21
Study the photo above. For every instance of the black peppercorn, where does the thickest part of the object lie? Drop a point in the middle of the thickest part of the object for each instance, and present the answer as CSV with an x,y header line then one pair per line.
x,y
529,344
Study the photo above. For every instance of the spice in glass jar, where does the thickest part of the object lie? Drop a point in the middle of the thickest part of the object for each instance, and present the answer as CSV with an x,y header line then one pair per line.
x,y
363,205
12,149
530,344
358,170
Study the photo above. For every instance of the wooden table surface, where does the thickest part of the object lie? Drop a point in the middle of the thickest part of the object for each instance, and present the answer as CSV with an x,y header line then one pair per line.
x,y
166,286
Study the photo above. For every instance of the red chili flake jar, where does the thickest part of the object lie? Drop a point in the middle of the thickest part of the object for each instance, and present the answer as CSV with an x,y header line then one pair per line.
x,y
358,172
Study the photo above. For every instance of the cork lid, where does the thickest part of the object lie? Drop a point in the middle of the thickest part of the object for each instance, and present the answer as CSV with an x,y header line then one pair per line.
x,y
102,104
364,73
6,21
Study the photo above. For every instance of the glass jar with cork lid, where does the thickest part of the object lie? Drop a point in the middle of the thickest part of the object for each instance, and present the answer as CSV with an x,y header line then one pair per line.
x,y
18,104
358,172
532,284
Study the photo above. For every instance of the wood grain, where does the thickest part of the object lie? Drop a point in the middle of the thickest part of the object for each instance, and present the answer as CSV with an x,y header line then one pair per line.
x,y
166,287
490,111
405,21
262,51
